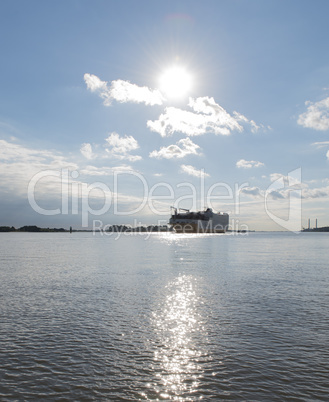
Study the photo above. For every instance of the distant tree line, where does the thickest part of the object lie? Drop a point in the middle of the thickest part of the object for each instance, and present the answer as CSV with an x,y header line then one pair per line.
x,y
113,228
323,229
29,229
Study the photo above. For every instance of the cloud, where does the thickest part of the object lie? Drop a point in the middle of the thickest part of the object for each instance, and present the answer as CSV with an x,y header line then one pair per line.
x,y
192,171
254,127
122,91
86,151
13,153
219,120
206,117
182,148
320,192
248,164
288,188
316,115
19,164
94,84
174,119
104,171
327,154
252,191
121,146
278,194
287,180
321,144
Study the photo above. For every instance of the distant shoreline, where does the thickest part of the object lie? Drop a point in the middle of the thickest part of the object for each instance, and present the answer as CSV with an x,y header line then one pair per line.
x,y
128,229
323,229
113,228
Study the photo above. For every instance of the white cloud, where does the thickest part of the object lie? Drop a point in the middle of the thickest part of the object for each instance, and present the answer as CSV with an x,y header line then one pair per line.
x,y
254,127
206,117
174,119
94,84
121,146
316,115
19,164
122,91
182,148
320,192
192,171
321,144
219,119
288,188
287,180
12,153
327,154
131,158
252,191
279,194
248,164
87,151
104,171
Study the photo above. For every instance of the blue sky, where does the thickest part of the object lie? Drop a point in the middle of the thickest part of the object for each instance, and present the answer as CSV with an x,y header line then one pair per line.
x,y
81,92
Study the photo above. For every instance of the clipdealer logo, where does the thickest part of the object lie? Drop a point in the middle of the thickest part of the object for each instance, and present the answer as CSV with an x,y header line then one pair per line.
x,y
78,197
288,187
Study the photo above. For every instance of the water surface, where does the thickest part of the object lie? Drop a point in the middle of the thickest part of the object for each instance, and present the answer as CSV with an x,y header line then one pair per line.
x,y
164,316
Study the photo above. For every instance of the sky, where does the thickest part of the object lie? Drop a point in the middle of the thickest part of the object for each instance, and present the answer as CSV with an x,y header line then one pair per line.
x,y
112,112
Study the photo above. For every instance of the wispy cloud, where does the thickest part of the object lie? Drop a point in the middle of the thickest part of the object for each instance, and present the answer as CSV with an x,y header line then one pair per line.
x,y
321,144
206,117
254,192
316,115
248,164
19,164
104,171
182,148
320,192
14,152
122,91
119,147
286,180
290,188
87,151
94,84
192,171
116,147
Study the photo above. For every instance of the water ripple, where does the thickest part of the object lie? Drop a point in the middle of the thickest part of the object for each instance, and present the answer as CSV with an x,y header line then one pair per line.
x,y
175,318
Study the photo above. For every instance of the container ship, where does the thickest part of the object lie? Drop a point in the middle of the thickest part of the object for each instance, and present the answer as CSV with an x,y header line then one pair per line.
x,y
198,222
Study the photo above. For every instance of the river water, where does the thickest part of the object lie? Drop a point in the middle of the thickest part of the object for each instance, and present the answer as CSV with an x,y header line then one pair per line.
x,y
164,316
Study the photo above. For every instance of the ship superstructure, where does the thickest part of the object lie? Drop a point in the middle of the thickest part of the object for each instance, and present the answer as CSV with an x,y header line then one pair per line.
x,y
199,222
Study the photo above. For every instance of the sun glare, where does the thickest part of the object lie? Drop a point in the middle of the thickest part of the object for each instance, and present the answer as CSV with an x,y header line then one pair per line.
x,y
176,82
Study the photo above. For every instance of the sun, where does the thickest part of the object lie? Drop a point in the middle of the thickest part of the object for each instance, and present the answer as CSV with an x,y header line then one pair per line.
x,y
176,82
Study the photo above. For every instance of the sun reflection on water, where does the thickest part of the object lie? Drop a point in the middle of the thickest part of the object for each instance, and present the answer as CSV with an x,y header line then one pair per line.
x,y
176,324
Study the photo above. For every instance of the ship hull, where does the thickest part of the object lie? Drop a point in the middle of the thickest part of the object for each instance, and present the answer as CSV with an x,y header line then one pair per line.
x,y
195,228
